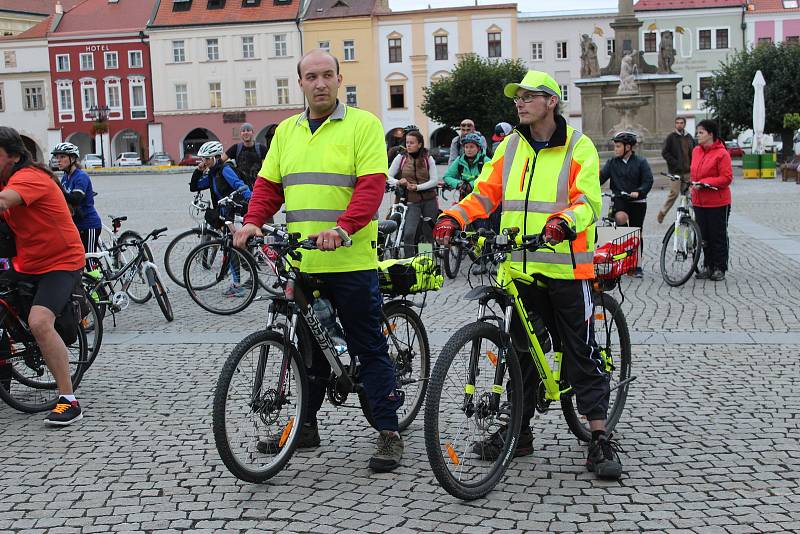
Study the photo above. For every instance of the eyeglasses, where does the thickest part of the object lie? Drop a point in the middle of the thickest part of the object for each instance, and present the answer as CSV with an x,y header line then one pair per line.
x,y
528,97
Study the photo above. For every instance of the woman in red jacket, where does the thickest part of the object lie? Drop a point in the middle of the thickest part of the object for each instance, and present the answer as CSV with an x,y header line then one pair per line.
x,y
711,166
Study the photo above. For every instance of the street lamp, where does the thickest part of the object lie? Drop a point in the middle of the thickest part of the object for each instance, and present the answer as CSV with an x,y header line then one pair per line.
x,y
100,115
719,92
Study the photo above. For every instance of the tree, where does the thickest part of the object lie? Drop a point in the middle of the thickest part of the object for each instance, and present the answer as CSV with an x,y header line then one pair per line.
x,y
474,90
780,66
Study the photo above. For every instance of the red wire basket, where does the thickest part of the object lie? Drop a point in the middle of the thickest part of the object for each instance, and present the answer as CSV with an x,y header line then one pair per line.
x,y
618,256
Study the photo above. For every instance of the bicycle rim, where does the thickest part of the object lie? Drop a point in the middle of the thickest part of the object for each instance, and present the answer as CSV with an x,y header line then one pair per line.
x,y
139,288
225,286
93,326
261,394
178,250
462,412
160,294
680,252
452,261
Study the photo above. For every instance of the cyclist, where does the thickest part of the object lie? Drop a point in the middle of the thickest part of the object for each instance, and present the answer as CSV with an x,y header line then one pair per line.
x,y
222,180
49,255
328,164
416,171
456,149
80,195
248,155
629,173
545,174
501,130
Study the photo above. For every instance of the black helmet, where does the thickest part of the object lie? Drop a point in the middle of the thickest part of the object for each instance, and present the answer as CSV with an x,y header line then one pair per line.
x,y
626,138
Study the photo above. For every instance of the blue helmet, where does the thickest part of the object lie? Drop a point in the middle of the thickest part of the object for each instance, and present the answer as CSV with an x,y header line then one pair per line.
x,y
471,138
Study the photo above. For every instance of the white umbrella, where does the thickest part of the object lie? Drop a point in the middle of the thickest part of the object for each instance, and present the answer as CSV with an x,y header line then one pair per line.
x,y
759,113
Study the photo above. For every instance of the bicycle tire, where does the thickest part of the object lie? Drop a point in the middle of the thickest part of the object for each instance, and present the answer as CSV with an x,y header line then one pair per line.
x,y
202,292
403,355
139,290
94,331
267,274
693,237
434,445
608,319
452,262
223,396
175,269
160,293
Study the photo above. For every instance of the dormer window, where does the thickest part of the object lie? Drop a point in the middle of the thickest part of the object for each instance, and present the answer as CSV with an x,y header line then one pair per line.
x,y
181,5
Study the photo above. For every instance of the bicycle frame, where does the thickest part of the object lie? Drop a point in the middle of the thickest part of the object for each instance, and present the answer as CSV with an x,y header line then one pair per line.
x,y
682,212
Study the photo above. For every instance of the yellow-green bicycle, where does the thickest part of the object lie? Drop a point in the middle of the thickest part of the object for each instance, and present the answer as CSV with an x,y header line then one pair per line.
x,y
475,389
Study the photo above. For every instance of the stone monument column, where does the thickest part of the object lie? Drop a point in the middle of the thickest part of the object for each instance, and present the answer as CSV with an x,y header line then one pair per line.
x,y
626,39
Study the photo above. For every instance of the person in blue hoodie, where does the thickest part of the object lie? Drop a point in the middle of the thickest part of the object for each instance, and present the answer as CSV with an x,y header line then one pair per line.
x,y
80,195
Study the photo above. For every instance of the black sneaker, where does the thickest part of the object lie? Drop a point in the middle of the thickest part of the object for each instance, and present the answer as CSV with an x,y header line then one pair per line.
x,y
65,413
603,458
491,447
638,273
718,275
703,274
309,439
389,452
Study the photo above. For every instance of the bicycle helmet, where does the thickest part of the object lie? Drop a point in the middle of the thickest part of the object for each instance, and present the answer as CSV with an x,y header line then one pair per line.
x,y
410,128
210,149
626,138
67,149
471,138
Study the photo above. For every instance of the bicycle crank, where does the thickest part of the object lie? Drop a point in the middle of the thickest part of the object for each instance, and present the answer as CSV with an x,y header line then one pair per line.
x,y
120,300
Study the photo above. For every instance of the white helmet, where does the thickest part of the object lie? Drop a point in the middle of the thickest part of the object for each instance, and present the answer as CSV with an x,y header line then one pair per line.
x,y
66,148
210,149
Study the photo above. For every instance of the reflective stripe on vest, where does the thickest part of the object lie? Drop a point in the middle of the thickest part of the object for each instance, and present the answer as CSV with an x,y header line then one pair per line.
x,y
319,178
310,215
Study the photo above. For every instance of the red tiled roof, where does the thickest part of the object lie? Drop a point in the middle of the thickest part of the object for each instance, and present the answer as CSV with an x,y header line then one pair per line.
x,y
232,13
334,9
38,7
95,16
663,5
772,6
37,31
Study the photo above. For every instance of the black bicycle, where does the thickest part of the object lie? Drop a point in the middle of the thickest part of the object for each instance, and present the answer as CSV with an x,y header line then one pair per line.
x,y
182,244
263,389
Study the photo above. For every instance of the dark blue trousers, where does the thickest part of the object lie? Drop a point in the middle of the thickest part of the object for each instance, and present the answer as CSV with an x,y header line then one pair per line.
x,y
357,300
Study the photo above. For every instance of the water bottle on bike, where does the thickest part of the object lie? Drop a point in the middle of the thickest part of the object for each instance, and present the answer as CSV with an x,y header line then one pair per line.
x,y
323,309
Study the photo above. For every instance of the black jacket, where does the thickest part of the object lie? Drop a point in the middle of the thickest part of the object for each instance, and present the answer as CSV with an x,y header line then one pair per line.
x,y
628,177
678,161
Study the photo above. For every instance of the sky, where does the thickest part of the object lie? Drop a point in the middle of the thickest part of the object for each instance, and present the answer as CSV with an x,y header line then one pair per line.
x,y
523,5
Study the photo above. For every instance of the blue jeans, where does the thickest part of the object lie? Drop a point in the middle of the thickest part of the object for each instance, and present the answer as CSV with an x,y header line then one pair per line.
x,y
357,300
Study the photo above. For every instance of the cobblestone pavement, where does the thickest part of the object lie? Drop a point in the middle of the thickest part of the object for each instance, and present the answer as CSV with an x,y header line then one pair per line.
x,y
709,433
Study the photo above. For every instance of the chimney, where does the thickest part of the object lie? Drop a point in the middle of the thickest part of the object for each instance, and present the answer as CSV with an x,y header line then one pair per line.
x,y
59,8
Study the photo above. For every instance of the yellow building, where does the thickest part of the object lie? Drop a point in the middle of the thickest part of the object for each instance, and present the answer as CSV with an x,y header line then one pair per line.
x,y
347,30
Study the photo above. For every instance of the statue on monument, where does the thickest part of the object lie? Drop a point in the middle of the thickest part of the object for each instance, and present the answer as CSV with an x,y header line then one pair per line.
x,y
666,53
590,68
627,75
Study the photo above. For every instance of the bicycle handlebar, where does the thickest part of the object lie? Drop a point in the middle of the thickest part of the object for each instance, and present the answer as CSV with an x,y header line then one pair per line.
x,y
701,185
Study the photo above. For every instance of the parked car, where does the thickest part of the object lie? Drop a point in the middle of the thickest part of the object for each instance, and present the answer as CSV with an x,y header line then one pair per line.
x,y
90,161
128,159
160,158
190,160
440,154
734,149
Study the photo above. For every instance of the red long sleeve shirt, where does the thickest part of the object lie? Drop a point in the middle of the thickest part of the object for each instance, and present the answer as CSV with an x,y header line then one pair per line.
x,y
268,198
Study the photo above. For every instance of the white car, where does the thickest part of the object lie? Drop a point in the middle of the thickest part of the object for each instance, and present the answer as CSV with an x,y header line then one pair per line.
x,y
128,159
90,161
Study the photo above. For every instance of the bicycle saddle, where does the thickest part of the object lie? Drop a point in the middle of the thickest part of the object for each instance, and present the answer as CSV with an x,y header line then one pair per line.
x,y
387,227
117,219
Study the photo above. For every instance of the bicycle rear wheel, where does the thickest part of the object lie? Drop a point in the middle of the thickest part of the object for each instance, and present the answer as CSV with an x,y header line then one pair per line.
x,y
466,406
139,290
614,343
180,247
261,395
226,285
680,252
93,326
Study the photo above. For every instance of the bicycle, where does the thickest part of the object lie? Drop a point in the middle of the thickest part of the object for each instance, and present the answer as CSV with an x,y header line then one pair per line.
x,y
479,364
183,243
393,244
103,287
26,383
110,238
263,388
679,261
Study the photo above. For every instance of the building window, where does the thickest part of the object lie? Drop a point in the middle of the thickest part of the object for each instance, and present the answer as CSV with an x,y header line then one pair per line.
x,y
790,4
495,48
113,95
65,98
87,61
215,4
351,95
282,90
178,51
764,41
138,101
250,97
280,45
395,51
111,60
611,46
440,47
2,99
10,59
215,94
722,38
212,49
248,47
349,50
704,84
704,40
561,50
135,59
62,63
89,98
537,51
792,39
181,96
324,45
650,42
397,96
564,92
32,96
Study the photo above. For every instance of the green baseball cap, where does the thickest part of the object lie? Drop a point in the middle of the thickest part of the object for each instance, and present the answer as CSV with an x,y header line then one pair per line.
x,y
534,80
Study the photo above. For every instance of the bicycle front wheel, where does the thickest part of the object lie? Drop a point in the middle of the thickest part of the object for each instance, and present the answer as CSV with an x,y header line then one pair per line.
x,y
680,252
221,279
452,260
473,413
614,346
160,293
259,406
180,247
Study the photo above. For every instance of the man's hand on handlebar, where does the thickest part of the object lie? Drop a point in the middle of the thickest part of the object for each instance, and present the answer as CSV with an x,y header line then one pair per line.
x,y
244,233
327,240
444,230
634,194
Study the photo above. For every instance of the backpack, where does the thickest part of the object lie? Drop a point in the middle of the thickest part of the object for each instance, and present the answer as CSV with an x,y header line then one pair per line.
x,y
240,147
261,151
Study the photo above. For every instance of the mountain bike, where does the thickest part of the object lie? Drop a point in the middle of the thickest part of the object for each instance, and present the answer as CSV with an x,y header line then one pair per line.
x,y
263,388
183,243
26,383
681,246
476,385
109,288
